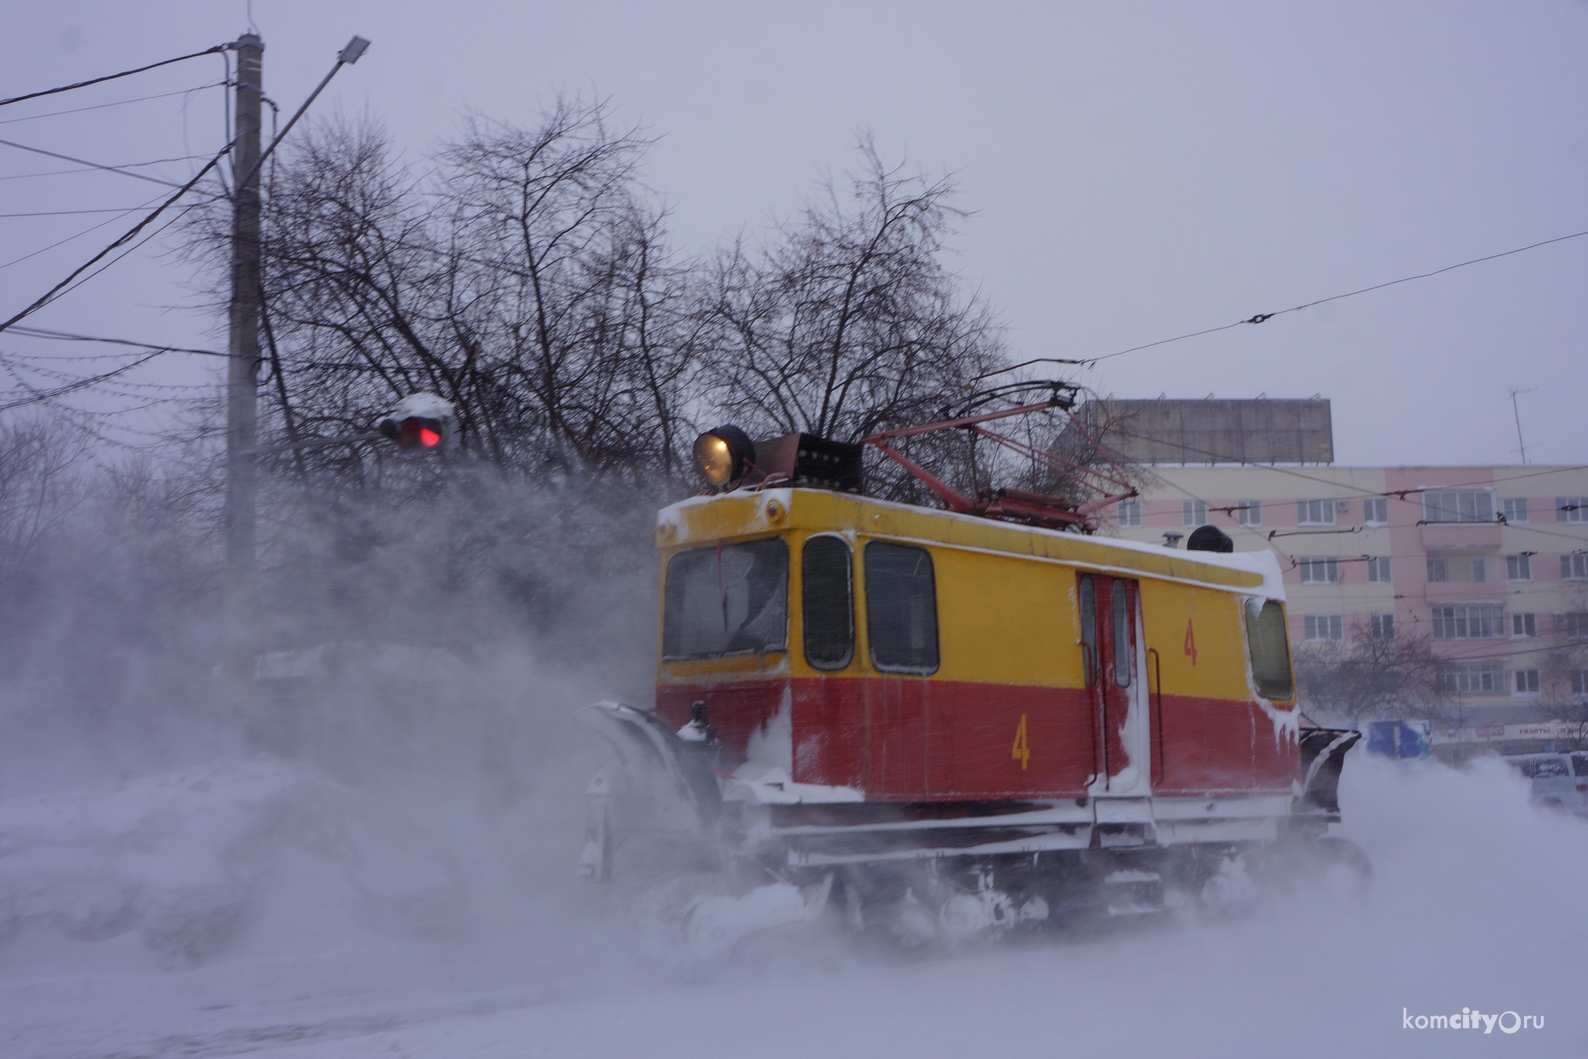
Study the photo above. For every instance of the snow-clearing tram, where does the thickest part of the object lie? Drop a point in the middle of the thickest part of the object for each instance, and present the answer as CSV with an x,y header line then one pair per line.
x,y
945,723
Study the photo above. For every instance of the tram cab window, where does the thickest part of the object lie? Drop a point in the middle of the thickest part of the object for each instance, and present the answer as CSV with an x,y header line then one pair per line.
x,y
1268,648
901,608
826,589
726,599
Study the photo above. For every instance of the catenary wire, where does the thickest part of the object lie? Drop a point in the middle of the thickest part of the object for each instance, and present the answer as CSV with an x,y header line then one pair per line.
x,y
1264,317
1393,494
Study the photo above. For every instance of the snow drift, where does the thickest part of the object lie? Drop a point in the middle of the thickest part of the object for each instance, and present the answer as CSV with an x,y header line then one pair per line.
x,y
185,859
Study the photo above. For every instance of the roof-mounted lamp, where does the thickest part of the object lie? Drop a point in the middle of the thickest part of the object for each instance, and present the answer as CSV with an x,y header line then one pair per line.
x,y
724,455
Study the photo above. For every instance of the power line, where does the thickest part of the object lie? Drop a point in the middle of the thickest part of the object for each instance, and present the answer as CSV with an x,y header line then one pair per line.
x,y
35,396
66,336
112,77
1264,317
117,103
131,234
68,213
129,250
79,235
83,161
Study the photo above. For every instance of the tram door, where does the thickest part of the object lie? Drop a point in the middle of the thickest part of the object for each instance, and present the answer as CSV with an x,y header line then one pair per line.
x,y
1108,649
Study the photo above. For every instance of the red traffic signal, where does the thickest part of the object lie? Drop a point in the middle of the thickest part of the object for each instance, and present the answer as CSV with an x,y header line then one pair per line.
x,y
426,433
420,421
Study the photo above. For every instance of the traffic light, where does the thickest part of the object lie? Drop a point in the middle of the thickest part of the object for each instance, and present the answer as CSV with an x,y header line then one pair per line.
x,y
421,420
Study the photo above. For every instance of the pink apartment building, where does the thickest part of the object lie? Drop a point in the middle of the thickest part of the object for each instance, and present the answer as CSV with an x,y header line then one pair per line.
x,y
1489,564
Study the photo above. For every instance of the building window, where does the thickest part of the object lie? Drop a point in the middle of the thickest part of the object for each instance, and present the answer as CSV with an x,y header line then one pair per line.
x,y
1514,509
1315,512
1574,567
1320,571
1375,511
1571,509
1323,627
1579,682
1437,571
1450,505
1249,512
1576,624
1480,569
1129,513
1382,626
1519,567
1194,512
1468,621
1378,569
1525,625
1526,681
1474,678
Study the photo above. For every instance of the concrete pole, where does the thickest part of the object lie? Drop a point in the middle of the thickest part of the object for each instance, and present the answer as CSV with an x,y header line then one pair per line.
x,y
242,376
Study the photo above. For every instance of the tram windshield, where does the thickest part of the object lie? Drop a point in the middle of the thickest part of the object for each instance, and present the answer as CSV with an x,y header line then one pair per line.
x,y
726,599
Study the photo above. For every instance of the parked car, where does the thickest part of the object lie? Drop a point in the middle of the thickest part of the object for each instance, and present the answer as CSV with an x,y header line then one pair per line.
x,y
1560,781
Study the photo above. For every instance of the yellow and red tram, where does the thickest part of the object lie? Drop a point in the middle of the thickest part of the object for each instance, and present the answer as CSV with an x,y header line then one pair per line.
x,y
916,702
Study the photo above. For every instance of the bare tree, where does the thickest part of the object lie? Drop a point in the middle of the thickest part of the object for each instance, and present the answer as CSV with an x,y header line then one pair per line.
x,y
848,321
1391,676
40,486
524,275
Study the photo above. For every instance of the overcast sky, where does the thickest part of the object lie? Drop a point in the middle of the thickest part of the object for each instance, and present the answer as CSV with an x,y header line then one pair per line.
x,y
1138,171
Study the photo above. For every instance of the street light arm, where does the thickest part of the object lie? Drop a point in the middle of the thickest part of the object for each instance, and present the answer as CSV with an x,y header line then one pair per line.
x,y
348,56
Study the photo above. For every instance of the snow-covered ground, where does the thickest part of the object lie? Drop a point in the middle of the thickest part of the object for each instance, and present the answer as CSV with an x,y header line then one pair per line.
x,y
258,907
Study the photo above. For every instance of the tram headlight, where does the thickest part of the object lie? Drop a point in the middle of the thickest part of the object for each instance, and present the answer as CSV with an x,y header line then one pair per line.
x,y
724,454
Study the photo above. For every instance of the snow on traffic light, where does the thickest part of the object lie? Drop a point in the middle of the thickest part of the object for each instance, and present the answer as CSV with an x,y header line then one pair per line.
x,y
421,420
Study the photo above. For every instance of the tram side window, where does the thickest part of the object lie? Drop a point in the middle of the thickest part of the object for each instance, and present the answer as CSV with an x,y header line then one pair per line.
x,y
829,611
727,599
901,608
1269,649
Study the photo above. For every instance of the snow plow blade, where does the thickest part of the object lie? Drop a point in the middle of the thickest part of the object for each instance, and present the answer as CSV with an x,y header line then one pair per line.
x,y
663,783
1322,755
714,924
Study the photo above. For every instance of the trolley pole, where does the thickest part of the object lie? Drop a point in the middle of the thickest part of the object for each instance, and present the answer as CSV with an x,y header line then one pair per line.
x,y
242,374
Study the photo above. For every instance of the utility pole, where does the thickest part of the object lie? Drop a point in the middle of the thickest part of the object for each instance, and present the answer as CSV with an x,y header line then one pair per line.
x,y
242,374
242,350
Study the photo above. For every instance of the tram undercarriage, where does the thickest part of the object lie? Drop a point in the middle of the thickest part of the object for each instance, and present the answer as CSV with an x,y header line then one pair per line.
x,y
768,854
